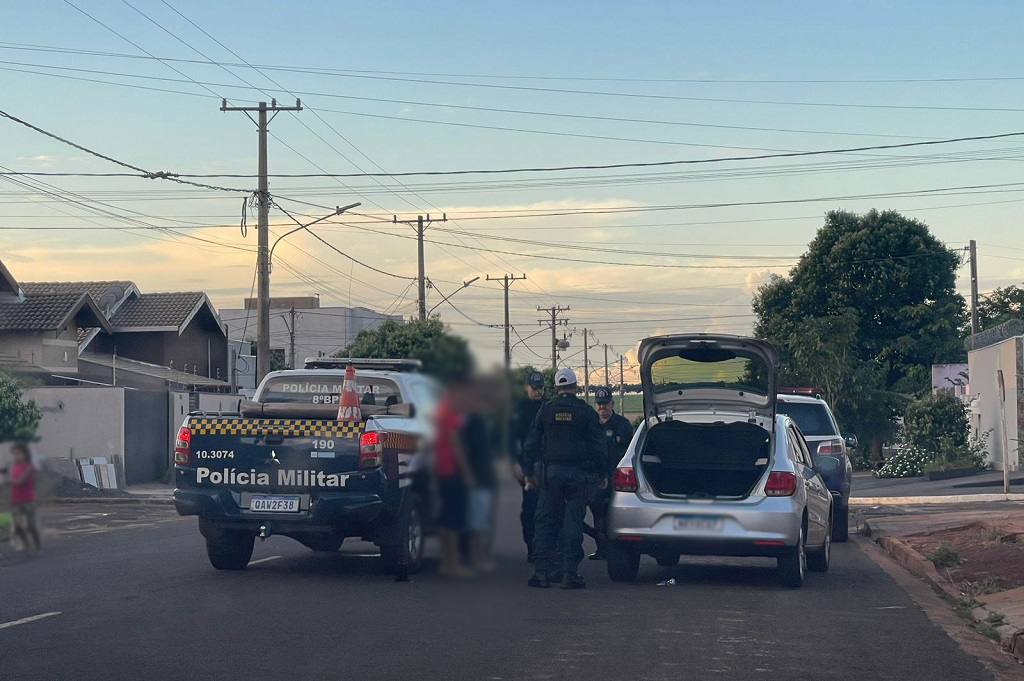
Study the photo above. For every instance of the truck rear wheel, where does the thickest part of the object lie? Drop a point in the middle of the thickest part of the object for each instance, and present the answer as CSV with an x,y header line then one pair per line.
x,y
404,553
230,549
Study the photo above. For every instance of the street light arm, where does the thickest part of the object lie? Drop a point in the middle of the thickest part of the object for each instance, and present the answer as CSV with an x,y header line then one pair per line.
x,y
337,211
465,285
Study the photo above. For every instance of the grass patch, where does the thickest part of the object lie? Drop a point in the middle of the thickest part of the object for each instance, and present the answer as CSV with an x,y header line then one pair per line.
x,y
988,631
945,557
995,618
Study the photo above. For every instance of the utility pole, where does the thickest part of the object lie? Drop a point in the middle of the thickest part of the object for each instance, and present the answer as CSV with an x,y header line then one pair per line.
x,y
263,231
586,369
554,322
420,226
975,327
622,385
291,336
607,375
506,281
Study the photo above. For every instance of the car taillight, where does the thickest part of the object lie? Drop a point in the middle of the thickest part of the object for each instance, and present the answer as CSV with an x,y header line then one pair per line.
x,y
181,446
624,480
830,448
371,450
780,485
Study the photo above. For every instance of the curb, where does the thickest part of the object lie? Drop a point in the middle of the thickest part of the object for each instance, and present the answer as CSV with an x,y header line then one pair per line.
x,y
113,500
946,499
913,562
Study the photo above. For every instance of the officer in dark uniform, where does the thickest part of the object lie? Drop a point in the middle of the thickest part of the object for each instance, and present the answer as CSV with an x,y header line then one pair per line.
x,y
523,414
618,432
566,458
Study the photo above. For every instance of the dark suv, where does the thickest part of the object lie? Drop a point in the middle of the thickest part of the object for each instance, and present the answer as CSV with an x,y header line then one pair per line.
x,y
829,450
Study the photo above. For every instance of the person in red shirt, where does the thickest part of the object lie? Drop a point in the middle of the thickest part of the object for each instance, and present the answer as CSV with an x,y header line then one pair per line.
x,y
23,500
454,478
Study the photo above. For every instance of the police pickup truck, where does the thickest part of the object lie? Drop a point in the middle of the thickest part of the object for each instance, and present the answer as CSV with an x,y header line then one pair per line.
x,y
284,465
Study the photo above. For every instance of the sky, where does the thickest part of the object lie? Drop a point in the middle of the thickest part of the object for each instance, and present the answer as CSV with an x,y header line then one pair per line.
x,y
417,87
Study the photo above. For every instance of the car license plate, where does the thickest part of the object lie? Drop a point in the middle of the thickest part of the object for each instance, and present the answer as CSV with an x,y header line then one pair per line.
x,y
700,523
265,504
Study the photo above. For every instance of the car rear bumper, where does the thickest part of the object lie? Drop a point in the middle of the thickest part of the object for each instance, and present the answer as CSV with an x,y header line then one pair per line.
x,y
762,527
338,512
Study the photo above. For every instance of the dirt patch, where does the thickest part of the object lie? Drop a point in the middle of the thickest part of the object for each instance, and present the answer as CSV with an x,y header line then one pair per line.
x,y
978,558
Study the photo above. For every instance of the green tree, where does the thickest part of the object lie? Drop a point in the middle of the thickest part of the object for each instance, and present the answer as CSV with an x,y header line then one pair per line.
x,y
867,310
934,420
1000,306
444,355
19,420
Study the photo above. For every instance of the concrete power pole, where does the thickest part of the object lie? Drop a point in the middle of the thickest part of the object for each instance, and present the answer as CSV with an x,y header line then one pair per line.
x,y
586,369
607,374
420,225
554,322
291,336
622,385
263,231
975,326
507,281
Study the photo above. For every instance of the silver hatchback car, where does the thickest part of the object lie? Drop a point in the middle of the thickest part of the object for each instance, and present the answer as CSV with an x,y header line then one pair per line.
x,y
713,470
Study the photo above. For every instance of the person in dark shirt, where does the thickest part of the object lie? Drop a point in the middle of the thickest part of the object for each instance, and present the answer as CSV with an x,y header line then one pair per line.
x,y
566,459
618,432
476,444
523,414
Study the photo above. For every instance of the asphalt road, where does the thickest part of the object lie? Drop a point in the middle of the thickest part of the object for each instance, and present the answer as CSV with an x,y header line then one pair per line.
x,y
139,601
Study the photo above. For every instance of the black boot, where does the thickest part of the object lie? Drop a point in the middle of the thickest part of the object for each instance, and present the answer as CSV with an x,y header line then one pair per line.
x,y
570,581
539,580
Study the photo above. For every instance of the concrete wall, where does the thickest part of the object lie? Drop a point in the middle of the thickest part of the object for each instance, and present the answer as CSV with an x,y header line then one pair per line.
x,y
46,349
215,402
80,422
947,377
983,364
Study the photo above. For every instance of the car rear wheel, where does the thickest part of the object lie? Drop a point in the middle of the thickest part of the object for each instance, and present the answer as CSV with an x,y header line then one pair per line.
x,y
623,564
841,525
405,554
793,564
820,559
667,559
230,549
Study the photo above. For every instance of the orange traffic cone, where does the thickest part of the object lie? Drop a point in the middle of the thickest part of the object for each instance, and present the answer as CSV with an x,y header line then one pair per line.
x,y
348,406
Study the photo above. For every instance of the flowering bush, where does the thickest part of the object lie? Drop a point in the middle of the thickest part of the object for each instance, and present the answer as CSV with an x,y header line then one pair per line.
x,y
908,462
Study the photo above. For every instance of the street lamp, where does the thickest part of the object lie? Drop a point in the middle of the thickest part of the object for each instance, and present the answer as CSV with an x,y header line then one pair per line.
x,y
337,211
465,285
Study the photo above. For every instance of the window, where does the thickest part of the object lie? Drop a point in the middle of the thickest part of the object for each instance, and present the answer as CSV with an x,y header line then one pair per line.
x,y
812,419
326,389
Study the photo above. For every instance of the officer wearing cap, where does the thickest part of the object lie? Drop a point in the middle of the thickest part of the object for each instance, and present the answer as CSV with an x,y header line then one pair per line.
x,y
618,432
523,414
566,457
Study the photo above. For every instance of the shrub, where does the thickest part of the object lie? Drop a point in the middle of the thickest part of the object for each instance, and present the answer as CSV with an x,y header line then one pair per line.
x,y
929,421
908,462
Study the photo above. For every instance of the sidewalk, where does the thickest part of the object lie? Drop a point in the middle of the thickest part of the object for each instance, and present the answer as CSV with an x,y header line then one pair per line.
x,y
974,554
148,493
986,486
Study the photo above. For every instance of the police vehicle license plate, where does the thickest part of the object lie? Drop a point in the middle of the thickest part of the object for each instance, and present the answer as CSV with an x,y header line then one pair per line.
x,y
265,504
701,523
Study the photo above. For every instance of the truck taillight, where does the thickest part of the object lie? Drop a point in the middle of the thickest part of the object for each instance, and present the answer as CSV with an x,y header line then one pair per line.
x,y
830,448
624,480
181,446
371,450
780,484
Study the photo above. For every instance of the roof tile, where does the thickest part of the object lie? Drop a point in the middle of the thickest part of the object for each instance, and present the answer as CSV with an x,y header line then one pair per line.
x,y
157,309
37,312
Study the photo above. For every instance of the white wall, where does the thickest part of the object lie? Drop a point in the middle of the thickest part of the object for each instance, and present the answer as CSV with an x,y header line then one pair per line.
x,y
983,364
80,422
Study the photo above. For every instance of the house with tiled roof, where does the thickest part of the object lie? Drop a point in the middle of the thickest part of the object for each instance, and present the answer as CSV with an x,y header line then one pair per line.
x,y
110,333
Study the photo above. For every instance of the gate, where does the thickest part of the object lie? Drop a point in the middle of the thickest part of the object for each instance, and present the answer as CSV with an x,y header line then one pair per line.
x,y
146,450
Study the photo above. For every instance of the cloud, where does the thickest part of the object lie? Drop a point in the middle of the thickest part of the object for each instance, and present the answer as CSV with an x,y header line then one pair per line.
x,y
40,158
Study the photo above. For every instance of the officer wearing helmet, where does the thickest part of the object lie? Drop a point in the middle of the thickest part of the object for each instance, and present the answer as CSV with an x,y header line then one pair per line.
x,y
618,432
566,458
523,414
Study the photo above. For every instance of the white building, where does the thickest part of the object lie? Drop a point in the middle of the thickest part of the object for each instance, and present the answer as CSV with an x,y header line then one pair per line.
x,y
995,358
318,331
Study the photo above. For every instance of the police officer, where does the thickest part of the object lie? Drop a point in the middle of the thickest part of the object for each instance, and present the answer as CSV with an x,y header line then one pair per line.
x,y
618,432
523,414
566,458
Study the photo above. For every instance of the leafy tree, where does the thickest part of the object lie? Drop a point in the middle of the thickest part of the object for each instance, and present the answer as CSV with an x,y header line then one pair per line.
x,y
930,420
867,310
19,420
277,358
1000,306
444,355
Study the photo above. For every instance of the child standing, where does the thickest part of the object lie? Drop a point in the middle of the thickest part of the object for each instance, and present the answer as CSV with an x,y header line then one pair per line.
x,y
23,500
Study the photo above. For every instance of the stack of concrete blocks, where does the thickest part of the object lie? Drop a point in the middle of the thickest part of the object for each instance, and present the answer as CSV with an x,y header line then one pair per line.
x,y
98,472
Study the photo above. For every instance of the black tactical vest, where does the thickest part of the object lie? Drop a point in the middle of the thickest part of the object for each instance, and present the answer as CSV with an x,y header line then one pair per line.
x,y
566,429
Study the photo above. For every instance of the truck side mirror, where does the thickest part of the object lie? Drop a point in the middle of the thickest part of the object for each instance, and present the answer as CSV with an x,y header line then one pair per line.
x,y
851,441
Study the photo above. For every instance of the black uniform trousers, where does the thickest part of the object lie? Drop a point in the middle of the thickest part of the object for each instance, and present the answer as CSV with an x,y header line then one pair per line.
x,y
565,491
527,516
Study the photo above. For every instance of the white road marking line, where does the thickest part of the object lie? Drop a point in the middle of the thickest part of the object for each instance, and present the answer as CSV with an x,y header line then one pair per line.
x,y
26,620
263,560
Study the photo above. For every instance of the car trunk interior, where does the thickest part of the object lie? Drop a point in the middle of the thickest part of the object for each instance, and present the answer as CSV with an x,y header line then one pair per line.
x,y
705,459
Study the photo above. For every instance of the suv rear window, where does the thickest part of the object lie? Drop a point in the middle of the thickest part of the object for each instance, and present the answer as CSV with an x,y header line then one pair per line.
x,y
812,419
321,389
